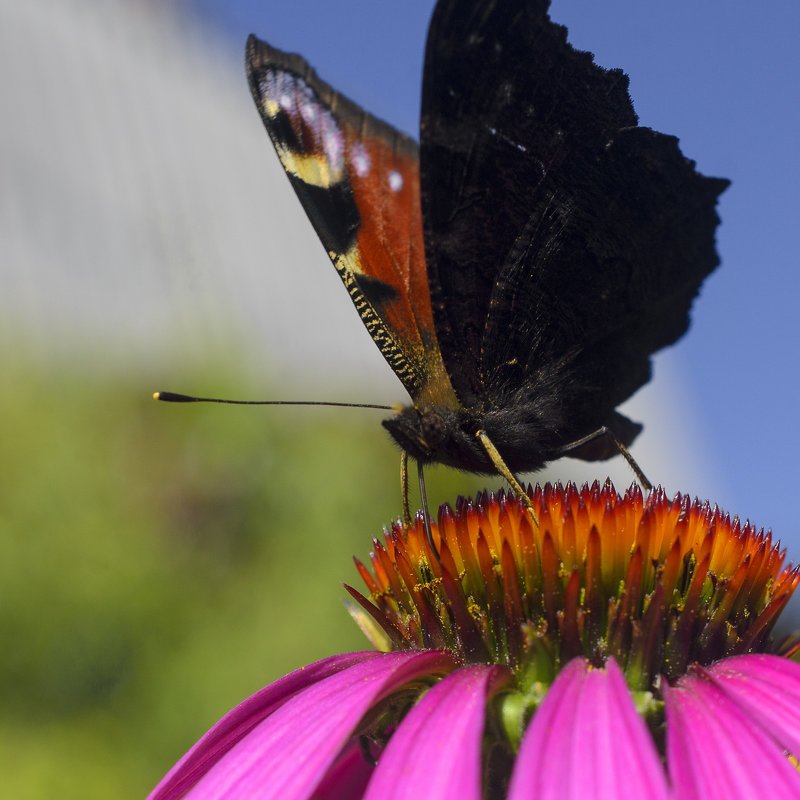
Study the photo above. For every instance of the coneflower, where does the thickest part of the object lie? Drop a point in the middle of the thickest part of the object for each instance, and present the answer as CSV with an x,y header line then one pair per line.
x,y
596,646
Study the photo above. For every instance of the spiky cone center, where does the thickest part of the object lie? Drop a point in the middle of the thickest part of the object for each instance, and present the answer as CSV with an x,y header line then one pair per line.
x,y
658,584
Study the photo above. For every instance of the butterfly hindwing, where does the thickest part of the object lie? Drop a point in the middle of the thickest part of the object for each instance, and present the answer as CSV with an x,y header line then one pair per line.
x,y
560,237
358,180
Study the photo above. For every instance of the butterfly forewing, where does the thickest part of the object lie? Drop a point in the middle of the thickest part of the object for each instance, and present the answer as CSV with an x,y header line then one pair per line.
x,y
358,180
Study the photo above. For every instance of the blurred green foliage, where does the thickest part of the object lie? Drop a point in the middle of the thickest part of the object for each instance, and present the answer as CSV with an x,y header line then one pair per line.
x,y
160,563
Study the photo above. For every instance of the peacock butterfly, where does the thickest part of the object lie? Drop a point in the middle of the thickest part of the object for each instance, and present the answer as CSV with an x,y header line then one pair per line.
x,y
518,267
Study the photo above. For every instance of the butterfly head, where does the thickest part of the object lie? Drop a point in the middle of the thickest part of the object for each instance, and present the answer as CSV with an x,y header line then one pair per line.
x,y
438,434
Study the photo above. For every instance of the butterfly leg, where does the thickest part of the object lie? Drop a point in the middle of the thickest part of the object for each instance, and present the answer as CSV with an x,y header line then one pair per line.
x,y
423,497
609,434
404,488
502,468
426,516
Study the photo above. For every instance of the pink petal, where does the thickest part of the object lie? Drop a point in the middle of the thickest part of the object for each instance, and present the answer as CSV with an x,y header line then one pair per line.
x,y
586,741
767,688
715,750
347,779
242,719
436,751
288,754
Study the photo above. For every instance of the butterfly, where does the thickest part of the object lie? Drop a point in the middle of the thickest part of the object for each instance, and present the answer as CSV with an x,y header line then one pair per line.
x,y
519,265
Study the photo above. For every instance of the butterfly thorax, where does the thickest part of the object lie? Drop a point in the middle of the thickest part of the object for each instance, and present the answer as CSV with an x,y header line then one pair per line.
x,y
448,436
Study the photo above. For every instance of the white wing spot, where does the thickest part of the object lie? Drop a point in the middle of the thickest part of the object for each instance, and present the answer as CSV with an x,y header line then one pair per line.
x,y
395,181
332,144
361,160
309,113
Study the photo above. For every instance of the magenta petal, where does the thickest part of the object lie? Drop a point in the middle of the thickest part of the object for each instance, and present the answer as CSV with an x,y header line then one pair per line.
x,y
436,751
347,779
242,719
768,689
715,750
288,754
587,741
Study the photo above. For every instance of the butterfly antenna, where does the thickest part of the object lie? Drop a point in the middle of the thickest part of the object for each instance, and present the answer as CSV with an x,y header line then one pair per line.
x,y
174,397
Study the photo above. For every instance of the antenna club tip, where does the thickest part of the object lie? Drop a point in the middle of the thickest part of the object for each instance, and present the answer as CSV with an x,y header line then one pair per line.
x,y
173,397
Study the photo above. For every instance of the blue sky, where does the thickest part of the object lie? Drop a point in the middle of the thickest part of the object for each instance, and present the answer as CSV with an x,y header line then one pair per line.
x,y
722,76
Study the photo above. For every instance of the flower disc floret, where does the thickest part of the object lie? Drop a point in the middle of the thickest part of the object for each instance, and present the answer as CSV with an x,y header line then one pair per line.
x,y
657,584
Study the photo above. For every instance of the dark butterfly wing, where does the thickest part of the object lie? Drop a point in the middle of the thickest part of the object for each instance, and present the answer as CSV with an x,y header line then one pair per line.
x,y
560,237
358,181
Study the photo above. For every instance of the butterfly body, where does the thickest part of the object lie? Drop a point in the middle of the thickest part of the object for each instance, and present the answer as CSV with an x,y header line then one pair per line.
x,y
518,267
